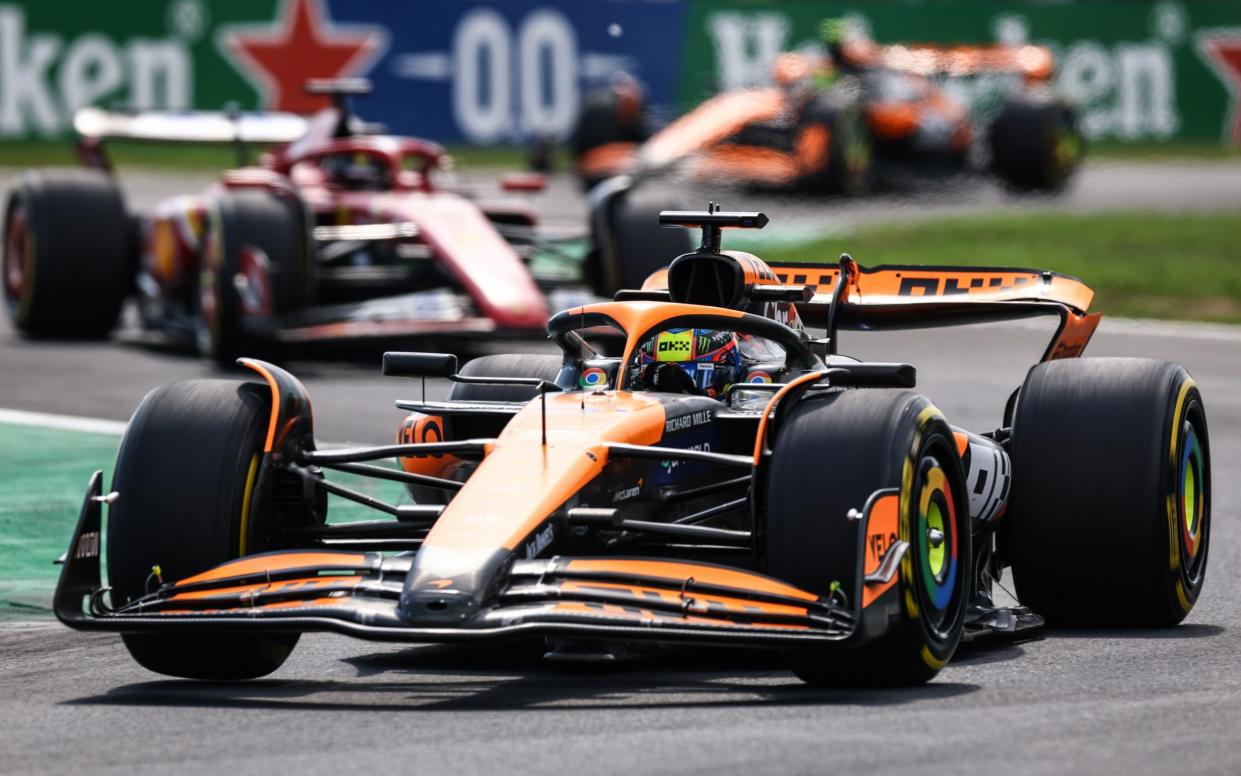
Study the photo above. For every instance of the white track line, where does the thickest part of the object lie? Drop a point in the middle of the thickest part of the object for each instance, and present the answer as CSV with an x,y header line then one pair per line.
x,y
62,422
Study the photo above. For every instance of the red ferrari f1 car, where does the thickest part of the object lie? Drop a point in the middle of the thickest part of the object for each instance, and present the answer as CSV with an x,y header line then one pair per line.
x,y
338,232
727,479
858,116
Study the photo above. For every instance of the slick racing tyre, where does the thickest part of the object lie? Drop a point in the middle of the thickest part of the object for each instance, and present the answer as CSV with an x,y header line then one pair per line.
x,y
68,262
1109,519
256,265
611,115
1035,145
830,454
832,148
629,243
543,367
186,472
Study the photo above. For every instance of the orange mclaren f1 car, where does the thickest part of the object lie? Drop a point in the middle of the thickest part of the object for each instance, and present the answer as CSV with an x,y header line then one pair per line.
x,y
727,479
859,116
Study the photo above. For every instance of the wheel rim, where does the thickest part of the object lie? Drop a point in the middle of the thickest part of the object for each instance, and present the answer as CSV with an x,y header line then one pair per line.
x,y
936,534
16,255
1191,493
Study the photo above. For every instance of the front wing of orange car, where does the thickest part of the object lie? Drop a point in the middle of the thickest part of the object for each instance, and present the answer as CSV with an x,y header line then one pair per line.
x,y
358,594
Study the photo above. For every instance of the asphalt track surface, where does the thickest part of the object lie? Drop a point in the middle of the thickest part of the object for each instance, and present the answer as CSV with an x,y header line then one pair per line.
x,y
1132,702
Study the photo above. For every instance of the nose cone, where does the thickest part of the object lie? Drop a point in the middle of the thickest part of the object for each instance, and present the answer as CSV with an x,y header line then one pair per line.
x,y
446,586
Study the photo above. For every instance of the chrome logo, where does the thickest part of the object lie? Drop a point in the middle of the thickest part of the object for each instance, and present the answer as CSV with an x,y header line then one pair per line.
x,y
593,377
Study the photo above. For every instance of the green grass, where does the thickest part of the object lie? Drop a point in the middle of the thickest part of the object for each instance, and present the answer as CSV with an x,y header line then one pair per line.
x,y
44,476
1140,264
126,154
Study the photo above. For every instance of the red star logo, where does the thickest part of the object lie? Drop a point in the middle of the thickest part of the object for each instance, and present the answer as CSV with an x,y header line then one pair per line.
x,y
1221,50
302,43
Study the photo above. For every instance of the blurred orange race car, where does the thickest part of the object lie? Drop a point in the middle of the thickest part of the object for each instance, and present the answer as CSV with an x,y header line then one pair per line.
x,y
857,116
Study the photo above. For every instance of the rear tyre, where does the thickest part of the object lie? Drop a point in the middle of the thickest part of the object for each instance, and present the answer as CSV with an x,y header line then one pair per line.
x,y
632,244
612,115
832,148
256,266
1035,145
830,455
1109,519
186,469
68,262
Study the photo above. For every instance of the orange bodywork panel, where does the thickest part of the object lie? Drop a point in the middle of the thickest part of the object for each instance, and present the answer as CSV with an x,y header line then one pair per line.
x,y
1073,336
608,159
418,429
713,121
745,162
521,481
676,572
283,561
882,527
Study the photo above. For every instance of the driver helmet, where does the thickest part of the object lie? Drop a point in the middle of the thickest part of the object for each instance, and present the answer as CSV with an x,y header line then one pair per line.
x,y
711,357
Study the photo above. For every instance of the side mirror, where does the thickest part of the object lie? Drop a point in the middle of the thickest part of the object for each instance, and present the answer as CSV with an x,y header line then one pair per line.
x,y
397,364
532,182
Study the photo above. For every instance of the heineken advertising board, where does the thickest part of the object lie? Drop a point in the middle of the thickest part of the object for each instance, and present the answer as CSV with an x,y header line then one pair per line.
x,y
503,71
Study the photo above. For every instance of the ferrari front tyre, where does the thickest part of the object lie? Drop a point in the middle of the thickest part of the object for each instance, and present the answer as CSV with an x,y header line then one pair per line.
x,y
1035,145
830,455
1109,518
186,473
256,265
68,262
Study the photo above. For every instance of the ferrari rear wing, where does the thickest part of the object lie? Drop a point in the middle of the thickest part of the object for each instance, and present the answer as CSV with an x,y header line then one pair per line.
x,y
190,126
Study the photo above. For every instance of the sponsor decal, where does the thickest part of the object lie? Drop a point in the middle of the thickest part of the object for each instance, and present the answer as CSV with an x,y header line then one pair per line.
x,y
302,43
758,377
877,544
692,420
88,546
593,378
626,494
669,465
540,541
1221,50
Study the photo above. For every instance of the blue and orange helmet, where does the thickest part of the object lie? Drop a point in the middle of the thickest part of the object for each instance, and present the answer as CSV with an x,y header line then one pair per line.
x,y
711,357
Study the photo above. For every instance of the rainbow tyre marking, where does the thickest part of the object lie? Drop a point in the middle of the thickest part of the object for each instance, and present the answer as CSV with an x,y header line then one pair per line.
x,y
1191,491
937,539
593,378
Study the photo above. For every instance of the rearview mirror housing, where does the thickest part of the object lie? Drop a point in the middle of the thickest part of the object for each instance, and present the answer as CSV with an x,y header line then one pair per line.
x,y
400,364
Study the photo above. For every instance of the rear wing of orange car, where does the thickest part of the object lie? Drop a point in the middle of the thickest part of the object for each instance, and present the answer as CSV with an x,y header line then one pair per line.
x,y
911,296
1034,63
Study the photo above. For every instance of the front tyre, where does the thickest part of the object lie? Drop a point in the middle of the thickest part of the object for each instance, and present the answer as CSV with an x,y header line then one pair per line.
x,y
1110,514
186,472
831,453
